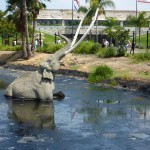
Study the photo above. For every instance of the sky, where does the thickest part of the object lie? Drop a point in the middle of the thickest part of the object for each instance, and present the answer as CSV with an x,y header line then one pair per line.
x,y
67,4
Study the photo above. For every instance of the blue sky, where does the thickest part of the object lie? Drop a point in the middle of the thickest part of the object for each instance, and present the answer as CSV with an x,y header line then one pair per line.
x,y
67,4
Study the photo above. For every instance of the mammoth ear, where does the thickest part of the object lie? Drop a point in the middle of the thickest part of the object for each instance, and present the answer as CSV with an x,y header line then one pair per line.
x,y
47,75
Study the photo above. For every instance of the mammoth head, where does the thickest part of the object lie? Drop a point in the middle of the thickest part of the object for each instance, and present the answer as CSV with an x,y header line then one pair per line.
x,y
47,75
52,64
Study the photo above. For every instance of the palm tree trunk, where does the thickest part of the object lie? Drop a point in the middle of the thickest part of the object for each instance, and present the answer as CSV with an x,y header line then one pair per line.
x,y
24,52
33,37
26,27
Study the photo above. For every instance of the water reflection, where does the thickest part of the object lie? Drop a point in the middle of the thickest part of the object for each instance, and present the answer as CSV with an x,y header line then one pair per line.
x,y
32,113
3,85
116,109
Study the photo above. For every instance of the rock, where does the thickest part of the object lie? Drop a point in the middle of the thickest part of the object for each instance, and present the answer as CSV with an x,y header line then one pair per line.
x,y
59,95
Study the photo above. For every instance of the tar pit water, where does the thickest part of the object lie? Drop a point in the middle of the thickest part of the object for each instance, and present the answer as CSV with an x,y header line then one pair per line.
x,y
90,117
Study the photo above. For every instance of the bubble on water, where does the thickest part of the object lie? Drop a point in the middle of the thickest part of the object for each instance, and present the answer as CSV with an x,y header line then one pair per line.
x,y
139,135
27,139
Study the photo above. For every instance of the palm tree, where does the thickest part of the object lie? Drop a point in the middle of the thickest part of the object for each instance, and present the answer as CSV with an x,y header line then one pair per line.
x,y
96,8
19,17
34,7
25,18
140,21
111,26
21,8
102,6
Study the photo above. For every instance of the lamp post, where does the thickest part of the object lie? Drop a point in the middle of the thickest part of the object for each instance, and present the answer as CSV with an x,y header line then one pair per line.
x,y
136,17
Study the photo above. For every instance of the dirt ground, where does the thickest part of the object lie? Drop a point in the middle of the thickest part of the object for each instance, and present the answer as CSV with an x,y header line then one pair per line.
x,y
123,66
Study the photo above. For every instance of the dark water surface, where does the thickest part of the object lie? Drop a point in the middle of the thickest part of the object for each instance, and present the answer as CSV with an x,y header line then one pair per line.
x,y
89,118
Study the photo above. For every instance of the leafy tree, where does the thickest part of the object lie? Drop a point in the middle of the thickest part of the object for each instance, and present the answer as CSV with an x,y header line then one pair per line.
x,y
96,7
6,26
20,11
140,21
111,26
122,37
18,14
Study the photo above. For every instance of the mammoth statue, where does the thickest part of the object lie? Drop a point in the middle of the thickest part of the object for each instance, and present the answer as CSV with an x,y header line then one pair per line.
x,y
38,84
32,85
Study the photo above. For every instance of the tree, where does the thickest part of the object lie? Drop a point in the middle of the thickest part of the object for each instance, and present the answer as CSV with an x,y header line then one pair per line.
x,y
111,26
121,36
94,4
140,21
21,10
96,7
6,26
34,7
18,14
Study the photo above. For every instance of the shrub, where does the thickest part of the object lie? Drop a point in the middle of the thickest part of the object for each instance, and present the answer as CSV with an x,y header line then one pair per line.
x,y
87,47
100,73
10,48
121,52
101,53
142,56
51,48
110,52
107,52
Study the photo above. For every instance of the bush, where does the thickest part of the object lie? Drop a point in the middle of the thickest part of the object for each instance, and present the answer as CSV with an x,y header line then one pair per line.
x,y
107,52
121,52
51,48
100,73
87,47
142,56
10,48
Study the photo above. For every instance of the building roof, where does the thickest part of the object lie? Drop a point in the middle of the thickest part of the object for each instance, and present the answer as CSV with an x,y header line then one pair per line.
x,y
66,14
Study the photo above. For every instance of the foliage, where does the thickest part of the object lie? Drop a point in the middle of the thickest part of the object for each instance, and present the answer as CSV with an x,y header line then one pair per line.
x,y
111,26
52,48
138,21
107,52
87,47
142,56
121,52
47,48
100,73
10,48
121,37
6,26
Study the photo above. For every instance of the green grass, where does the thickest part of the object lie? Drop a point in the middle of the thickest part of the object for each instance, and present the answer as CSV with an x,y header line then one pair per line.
x,y
100,73
141,56
49,45
143,41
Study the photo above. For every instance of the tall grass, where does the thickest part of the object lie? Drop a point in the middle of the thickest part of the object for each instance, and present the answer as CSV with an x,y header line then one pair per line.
x,y
100,73
107,52
141,56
